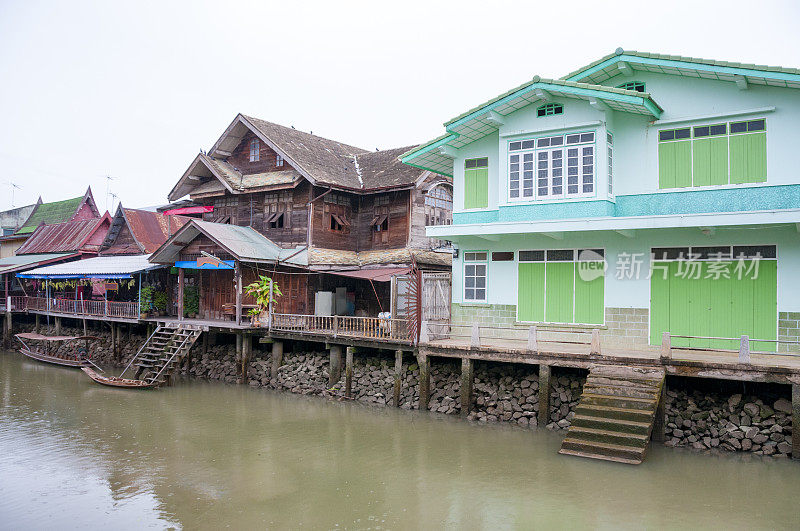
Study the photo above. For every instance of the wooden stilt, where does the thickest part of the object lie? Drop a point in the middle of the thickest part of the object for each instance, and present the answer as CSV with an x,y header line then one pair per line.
x,y
205,344
795,421
277,358
398,377
38,323
247,352
659,422
424,381
467,377
57,321
238,355
348,372
7,332
85,326
544,394
335,370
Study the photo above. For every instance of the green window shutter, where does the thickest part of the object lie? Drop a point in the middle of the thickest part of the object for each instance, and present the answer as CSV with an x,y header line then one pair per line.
x,y
589,303
530,294
765,304
680,290
748,158
560,291
476,188
710,161
659,302
675,164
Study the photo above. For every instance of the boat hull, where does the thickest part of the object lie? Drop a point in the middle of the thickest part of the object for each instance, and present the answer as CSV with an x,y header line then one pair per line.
x,y
113,381
38,356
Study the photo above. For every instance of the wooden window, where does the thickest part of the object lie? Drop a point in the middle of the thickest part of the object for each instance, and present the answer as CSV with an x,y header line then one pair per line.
x,y
278,161
503,256
255,154
275,221
549,109
638,86
748,147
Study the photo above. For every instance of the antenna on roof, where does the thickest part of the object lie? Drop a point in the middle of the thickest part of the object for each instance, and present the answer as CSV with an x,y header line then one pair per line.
x,y
108,189
113,198
14,186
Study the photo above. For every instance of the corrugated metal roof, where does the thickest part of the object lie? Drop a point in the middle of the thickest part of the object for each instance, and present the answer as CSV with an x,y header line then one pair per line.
x,y
63,237
152,229
98,267
22,262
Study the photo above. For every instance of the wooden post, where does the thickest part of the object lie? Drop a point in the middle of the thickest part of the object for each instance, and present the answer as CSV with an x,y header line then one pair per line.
x,y
180,294
348,372
424,381
335,368
238,354
659,423
58,325
38,324
398,377
467,377
205,344
114,341
277,357
85,332
238,277
795,421
544,394
666,346
247,351
744,351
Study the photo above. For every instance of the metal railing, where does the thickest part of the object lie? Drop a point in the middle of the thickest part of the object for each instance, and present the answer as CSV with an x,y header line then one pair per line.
x,y
344,326
92,308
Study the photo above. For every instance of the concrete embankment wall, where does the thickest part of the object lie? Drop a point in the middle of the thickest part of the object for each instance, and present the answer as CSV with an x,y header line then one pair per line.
x,y
707,415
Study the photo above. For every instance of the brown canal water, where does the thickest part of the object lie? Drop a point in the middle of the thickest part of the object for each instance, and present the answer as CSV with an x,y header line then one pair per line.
x,y
74,454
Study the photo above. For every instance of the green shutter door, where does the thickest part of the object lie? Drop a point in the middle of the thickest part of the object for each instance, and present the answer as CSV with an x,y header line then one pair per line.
x,y
589,304
530,293
674,164
560,292
714,306
476,188
469,188
748,158
710,161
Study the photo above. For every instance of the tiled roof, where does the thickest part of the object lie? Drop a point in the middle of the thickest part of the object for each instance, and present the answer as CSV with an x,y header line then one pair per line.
x,y
333,257
383,169
48,213
149,229
237,181
62,237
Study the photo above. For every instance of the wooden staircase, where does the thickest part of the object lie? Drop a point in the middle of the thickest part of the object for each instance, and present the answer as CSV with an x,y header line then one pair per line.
x,y
615,416
163,351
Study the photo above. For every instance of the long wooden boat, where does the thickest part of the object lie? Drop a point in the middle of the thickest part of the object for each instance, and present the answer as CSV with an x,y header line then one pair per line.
x,y
77,358
116,381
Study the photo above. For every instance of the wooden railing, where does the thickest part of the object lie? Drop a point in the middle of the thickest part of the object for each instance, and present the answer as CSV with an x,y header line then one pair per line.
x,y
17,303
93,308
344,326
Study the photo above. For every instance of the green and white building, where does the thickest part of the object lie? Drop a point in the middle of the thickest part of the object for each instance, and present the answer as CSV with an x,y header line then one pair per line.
x,y
642,193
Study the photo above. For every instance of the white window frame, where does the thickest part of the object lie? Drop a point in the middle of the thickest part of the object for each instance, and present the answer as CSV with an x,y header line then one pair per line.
x,y
278,161
474,261
255,150
555,183
610,152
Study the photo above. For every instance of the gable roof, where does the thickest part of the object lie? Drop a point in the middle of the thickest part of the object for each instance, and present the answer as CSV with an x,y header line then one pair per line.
x,y
57,212
243,243
321,161
610,66
148,229
72,236
487,117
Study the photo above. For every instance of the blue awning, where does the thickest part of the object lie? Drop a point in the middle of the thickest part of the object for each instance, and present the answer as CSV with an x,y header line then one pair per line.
x,y
192,264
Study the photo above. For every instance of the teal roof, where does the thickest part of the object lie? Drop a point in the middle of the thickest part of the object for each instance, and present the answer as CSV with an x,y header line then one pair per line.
x,y
49,213
607,67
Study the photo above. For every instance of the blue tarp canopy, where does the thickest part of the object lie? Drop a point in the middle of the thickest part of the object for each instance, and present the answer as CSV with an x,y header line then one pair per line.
x,y
192,264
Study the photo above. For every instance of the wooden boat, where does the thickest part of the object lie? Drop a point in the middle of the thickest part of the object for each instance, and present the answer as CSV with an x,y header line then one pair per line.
x,y
116,381
79,357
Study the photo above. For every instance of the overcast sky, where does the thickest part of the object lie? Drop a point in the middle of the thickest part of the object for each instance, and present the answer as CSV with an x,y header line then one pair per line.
x,y
133,89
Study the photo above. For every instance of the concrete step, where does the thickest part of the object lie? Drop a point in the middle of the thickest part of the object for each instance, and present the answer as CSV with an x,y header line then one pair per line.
x,y
629,382
609,424
620,390
610,452
634,440
592,398
611,412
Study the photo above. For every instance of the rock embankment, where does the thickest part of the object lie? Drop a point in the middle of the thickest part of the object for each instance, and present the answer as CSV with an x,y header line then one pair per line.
x,y
734,423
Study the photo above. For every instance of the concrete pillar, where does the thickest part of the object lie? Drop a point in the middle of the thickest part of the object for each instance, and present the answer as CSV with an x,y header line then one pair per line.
x,y
659,424
398,377
57,321
467,377
424,381
795,421
247,352
335,369
348,372
37,327
7,329
277,357
238,354
115,340
544,394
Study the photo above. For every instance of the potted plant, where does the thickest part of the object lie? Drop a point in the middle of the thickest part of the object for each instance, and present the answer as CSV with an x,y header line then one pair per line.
x,y
264,291
160,301
191,302
146,302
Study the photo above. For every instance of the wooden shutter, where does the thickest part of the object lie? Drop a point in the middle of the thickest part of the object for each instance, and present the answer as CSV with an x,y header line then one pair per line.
x,y
748,158
530,292
710,161
675,164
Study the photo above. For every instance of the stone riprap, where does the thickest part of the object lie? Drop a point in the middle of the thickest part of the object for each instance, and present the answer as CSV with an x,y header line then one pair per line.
x,y
704,421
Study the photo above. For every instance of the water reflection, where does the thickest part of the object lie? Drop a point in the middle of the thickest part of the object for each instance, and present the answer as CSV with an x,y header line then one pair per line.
x,y
206,455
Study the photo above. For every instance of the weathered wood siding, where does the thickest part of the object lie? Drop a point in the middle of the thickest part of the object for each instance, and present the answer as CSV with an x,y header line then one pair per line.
x,y
395,206
240,157
341,204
